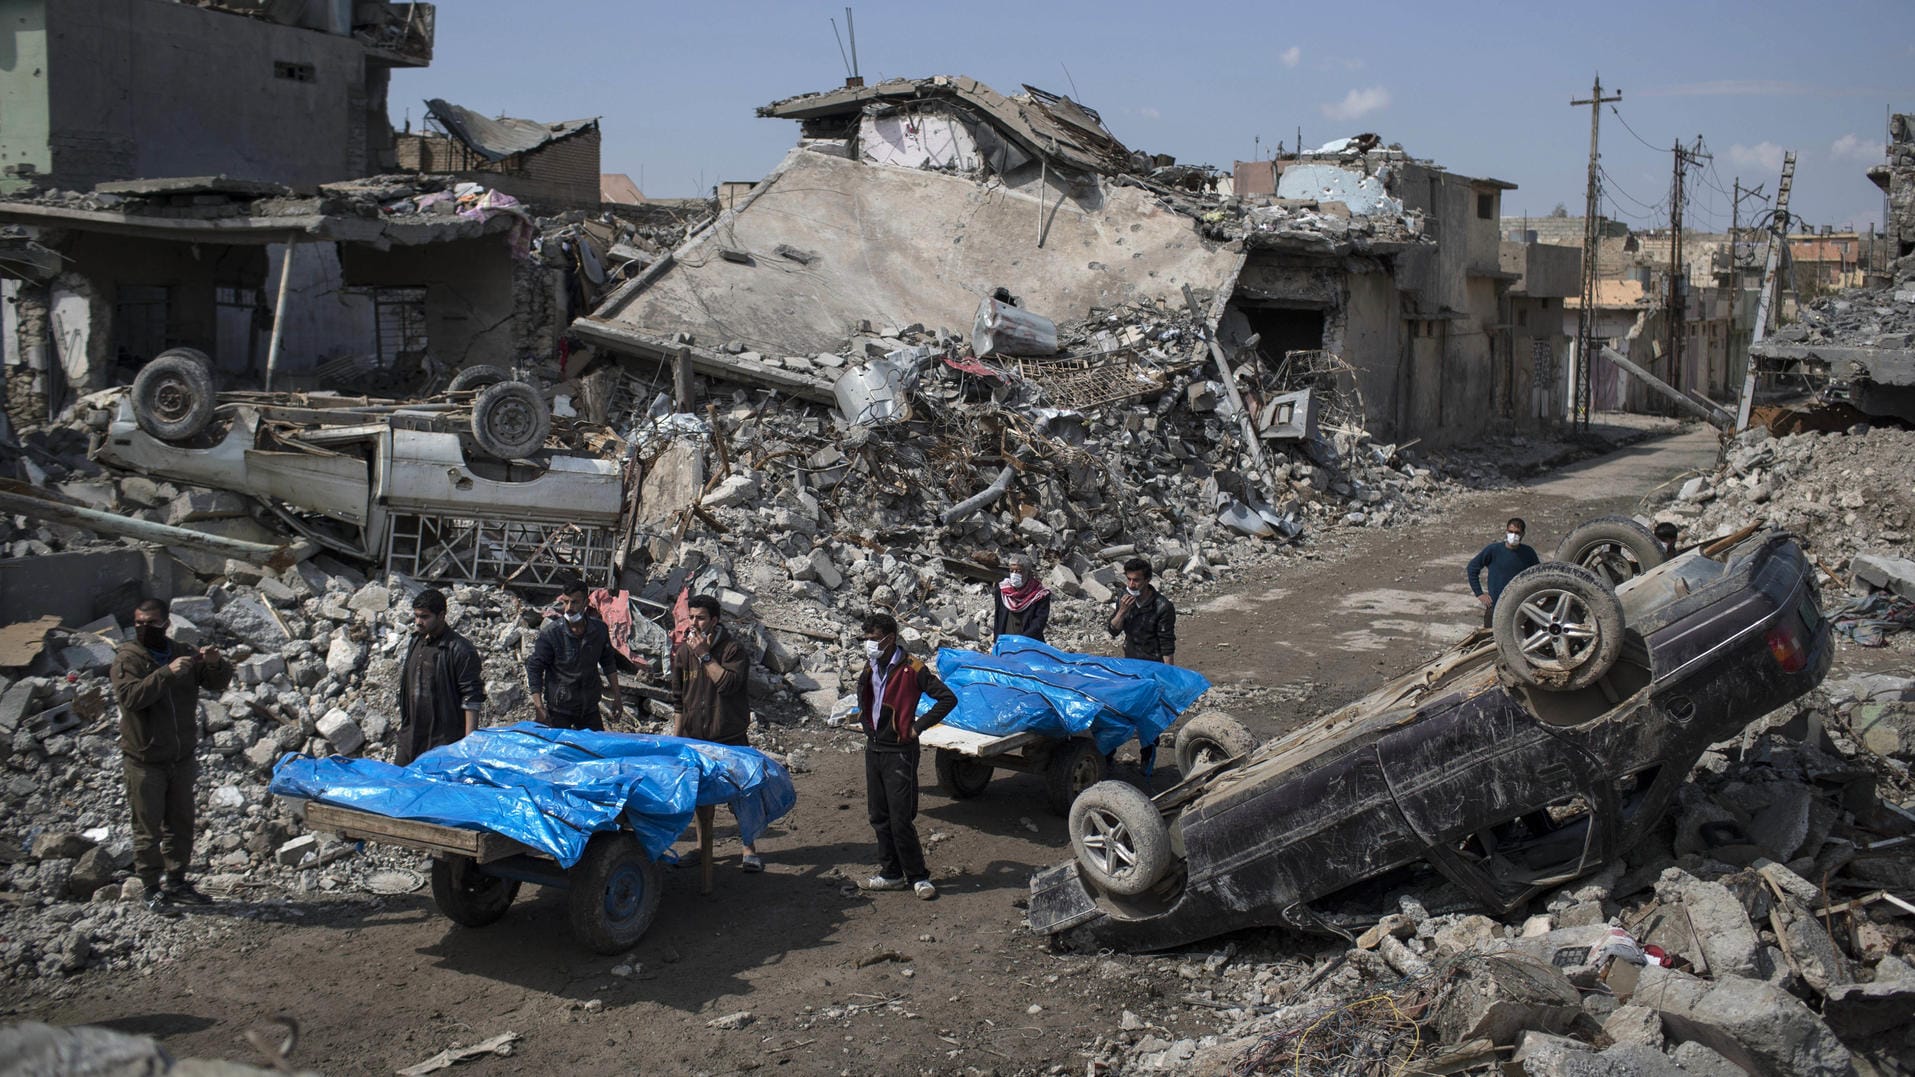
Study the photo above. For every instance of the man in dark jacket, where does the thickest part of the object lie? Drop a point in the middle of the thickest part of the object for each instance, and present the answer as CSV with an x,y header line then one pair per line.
x,y
1144,617
441,682
711,683
1021,605
1502,560
157,686
888,693
563,672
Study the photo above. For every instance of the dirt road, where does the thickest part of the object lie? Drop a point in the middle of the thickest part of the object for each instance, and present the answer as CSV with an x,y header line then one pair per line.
x,y
835,981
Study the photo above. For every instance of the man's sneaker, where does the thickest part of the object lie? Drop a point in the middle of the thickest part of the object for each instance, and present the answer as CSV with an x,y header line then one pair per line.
x,y
881,882
157,901
924,890
184,893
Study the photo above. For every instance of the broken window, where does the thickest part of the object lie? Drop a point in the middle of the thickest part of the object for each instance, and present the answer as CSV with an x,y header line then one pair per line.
x,y
398,325
1486,207
139,321
293,72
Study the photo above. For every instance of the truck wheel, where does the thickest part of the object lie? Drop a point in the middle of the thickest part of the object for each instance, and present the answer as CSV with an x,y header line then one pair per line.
x,y
478,377
961,776
1120,838
615,891
1615,548
467,895
173,396
1209,739
510,420
1075,766
1558,627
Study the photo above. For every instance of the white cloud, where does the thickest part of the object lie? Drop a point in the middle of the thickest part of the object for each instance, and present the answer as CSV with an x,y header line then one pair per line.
x,y
1358,103
1290,56
1149,113
1853,147
1763,154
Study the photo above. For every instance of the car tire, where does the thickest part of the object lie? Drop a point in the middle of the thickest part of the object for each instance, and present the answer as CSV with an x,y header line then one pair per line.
x,y
1209,739
173,395
961,777
467,895
510,420
1615,548
1558,627
478,377
1120,839
614,895
1075,766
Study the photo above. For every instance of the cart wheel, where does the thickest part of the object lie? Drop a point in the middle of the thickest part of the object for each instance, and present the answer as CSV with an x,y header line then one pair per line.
x,y
467,895
962,777
173,395
615,891
1076,765
510,420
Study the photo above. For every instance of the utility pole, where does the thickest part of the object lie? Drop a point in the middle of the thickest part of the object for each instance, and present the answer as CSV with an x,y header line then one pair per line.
x,y
1778,235
1737,194
1676,307
1592,209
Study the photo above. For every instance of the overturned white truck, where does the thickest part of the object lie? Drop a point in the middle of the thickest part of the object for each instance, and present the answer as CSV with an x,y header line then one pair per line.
x,y
406,484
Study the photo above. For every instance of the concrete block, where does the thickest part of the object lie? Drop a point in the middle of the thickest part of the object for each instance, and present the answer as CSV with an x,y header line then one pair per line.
x,y
1696,489
1499,997
276,592
264,753
93,870
1855,1010
372,598
87,654
1728,941
195,608
1633,1023
59,845
736,491
342,732
1886,571
183,632
778,657
733,603
1540,1054
343,656
262,669
816,567
295,850
252,622
16,703
1752,1023
1886,728
196,505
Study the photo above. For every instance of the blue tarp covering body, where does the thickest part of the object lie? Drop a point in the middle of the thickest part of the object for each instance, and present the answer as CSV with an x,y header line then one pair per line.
x,y
552,789
1024,685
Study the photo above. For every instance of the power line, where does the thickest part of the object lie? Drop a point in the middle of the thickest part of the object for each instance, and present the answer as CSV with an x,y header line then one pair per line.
x,y
1631,130
1611,184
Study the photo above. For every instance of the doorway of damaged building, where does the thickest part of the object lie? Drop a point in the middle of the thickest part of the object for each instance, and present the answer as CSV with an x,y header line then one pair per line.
x,y
1282,329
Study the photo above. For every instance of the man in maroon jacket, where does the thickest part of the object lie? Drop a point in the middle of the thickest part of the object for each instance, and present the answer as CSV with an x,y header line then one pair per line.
x,y
888,693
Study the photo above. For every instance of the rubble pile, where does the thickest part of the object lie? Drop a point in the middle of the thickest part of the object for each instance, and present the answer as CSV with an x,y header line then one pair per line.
x,y
1762,928
1846,495
1857,317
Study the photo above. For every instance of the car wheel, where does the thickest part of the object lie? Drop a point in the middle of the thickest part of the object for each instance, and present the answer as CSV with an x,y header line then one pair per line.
x,y
1558,627
478,377
467,895
1119,837
615,891
510,420
1615,548
961,776
1075,766
1209,739
173,395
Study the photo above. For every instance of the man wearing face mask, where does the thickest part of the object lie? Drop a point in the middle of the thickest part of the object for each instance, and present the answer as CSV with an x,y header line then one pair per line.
x,y
1144,617
441,682
563,672
888,692
1502,560
157,686
1022,605
711,680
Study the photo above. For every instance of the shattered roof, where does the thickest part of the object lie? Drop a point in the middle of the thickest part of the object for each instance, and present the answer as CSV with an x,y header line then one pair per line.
x,y
1042,123
497,139
618,187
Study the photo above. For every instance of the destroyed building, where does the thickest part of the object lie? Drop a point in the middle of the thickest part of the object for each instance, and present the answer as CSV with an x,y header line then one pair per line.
x,y
548,165
102,90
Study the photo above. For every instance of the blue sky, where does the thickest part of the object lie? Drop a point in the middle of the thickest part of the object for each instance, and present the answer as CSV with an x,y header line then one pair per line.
x,y
1482,89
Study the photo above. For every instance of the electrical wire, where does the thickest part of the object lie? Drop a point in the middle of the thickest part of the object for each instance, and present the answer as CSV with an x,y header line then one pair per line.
x,y
1611,184
1631,130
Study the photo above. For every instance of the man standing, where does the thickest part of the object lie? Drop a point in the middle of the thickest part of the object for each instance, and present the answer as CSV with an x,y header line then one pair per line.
x,y
1144,617
563,672
711,681
157,686
888,693
441,682
1022,606
1503,560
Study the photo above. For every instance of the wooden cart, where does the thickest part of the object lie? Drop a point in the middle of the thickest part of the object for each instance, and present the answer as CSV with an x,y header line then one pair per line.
x,y
613,891
965,761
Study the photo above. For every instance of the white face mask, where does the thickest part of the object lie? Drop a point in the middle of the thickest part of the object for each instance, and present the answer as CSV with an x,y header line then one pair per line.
x,y
574,618
1512,538
1016,580
872,649
1133,591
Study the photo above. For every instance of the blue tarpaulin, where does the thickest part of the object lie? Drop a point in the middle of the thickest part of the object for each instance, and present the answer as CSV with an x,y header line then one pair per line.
x,y
552,789
1024,685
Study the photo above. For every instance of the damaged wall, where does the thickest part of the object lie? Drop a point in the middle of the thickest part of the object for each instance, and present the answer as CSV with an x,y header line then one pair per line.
x,y
470,298
141,89
897,247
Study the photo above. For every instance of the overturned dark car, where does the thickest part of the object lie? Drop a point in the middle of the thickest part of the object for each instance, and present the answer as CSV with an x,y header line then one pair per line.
x,y
1525,756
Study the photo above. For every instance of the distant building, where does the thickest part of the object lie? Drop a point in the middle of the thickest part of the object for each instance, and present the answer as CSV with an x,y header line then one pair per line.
x,y
549,165
103,90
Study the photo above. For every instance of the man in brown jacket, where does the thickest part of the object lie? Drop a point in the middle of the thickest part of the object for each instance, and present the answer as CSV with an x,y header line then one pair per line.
x,y
157,686
710,679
